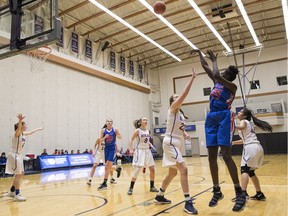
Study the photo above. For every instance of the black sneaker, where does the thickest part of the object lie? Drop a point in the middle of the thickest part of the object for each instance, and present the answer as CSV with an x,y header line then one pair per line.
x,y
246,194
189,208
102,187
239,202
130,191
161,200
217,195
260,197
118,170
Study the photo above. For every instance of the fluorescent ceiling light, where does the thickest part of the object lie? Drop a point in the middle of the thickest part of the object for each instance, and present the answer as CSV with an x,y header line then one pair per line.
x,y
248,23
149,7
285,14
133,28
200,13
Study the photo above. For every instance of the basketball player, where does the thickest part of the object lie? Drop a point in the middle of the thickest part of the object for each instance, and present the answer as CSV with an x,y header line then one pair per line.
x,y
172,142
98,155
109,134
14,163
253,154
142,155
219,127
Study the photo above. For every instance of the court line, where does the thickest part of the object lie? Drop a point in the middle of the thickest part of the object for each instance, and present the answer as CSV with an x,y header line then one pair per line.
x,y
164,211
202,179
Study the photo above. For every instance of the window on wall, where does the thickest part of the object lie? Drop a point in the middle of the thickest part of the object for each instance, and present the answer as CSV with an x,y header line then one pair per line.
x,y
282,80
255,84
207,91
156,119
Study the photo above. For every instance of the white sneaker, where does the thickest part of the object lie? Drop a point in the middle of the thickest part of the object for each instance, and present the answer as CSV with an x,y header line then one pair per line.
x,y
113,181
19,198
11,194
89,182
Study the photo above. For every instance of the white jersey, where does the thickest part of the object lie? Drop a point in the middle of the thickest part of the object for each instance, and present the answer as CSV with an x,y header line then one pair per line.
x,y
18,144
175,124
99,153
248,134
143,138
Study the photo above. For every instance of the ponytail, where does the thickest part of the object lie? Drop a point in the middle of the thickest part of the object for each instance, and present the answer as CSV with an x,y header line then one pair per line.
x,y
259,123
137,123
262,124
183,114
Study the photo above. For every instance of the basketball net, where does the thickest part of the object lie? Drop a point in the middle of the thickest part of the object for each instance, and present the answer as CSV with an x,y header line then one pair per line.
x,y
38,57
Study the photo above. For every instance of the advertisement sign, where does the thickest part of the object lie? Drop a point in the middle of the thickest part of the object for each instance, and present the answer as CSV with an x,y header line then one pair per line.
x,y
80,159
53,161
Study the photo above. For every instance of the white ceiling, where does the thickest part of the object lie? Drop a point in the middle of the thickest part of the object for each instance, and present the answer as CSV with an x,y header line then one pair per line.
x,y
89,21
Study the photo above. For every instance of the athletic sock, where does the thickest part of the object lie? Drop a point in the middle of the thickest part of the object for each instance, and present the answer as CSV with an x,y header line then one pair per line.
x,y
12,189
17,191
151,184
187,196
161,192
132,184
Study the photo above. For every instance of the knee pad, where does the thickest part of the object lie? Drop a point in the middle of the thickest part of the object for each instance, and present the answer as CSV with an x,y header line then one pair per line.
x,y
245,169
251,173
136,171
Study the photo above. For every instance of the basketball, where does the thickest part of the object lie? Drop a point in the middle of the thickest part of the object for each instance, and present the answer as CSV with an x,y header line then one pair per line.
x,y
159,7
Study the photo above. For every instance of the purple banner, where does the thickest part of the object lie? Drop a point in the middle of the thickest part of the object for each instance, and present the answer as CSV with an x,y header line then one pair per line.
x,y
112,60
140,71
122,64
88,48
74,42
39,24
131,67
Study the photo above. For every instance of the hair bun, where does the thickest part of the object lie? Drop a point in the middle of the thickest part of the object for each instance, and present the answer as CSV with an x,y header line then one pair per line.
x,y
234,69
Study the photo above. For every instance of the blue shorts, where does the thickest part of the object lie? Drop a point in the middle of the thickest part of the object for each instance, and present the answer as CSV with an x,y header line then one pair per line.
x,y
110,153
219,128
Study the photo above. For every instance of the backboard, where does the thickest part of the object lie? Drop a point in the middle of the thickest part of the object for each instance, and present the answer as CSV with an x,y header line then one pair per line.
x,y
27,25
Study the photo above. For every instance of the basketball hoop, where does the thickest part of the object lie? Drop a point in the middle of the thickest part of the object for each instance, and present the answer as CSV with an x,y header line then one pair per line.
x,y
38,57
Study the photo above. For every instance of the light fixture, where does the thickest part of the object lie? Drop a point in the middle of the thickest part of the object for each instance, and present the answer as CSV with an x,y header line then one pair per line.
x,y
133,29
149,7
285,14
247,21
201,14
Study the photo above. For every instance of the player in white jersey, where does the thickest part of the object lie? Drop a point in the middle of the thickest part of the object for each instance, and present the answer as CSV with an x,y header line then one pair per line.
x,y
253,154
142,154
14,163
172,157
98,155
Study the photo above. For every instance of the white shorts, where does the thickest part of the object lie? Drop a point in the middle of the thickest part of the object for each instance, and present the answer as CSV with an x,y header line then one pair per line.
x,y
98,156
252,156
171,151
143,158
14,164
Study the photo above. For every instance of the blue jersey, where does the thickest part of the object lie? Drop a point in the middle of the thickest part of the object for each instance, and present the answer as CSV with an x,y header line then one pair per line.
x,y
220,98
111,140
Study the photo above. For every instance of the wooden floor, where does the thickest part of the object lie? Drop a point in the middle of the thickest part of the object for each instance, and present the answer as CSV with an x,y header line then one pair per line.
x,y
66,193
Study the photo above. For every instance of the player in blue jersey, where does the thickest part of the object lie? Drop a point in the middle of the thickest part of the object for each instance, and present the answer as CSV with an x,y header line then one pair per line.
x,y
109,134
219,127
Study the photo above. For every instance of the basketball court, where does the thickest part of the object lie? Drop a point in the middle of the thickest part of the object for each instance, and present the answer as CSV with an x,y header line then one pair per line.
x,y
70,65
65,192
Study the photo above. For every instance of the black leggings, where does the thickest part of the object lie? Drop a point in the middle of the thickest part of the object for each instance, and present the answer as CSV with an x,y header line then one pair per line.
x,y
226,154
